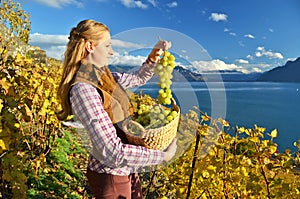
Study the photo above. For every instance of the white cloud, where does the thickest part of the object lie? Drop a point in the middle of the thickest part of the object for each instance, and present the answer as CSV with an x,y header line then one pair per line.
x,y
249,57
242,61
257,70
54,45
249,36
260,48
59,3
261,51
241,43
128,60
153,2
184,51
215,65
273,55
133,4
48,39
186,57
258,54
172,4
271,30
229,32
226,30
124,44
218,17
218,65
56,52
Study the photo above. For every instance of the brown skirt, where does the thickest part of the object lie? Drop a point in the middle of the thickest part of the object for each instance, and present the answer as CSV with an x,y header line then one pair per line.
x,y
107,186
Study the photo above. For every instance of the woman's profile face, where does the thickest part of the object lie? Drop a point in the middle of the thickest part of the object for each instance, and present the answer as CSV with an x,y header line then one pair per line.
x,y
102,51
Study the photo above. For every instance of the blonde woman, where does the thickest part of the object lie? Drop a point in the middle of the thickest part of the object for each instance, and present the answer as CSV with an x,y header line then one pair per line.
x,y
98,99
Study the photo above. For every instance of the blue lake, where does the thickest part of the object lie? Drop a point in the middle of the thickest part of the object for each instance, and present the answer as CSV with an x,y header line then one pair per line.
x,y
269,105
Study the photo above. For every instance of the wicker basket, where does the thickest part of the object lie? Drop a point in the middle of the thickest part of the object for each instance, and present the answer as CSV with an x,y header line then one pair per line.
x,y
156,138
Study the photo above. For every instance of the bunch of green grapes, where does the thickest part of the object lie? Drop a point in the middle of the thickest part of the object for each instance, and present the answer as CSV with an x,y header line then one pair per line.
x,y
155,117
160,116
164,70
142,104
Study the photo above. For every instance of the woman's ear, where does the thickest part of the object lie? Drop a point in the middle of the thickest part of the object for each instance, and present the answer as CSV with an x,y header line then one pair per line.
x,y
89,46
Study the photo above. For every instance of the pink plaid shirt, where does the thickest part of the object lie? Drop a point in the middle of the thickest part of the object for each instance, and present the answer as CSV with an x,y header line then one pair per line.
x,y
109,154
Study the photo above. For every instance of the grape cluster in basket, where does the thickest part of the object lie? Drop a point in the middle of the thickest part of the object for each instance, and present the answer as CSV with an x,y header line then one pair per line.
x,y
149,113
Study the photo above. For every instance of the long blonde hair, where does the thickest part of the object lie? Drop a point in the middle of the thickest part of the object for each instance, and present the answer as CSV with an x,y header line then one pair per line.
x,y
86,30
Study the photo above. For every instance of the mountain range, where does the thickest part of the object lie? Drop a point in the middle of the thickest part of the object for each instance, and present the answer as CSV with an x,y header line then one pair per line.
x,y
290,72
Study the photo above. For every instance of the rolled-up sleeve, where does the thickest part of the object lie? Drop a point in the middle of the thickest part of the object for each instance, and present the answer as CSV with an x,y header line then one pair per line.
x,y
87,106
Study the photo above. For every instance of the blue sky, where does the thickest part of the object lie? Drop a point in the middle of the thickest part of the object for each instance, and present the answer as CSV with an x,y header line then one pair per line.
x,y
243,35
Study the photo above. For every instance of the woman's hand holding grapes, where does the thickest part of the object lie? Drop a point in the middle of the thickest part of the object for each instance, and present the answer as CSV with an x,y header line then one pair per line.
x,y
157,50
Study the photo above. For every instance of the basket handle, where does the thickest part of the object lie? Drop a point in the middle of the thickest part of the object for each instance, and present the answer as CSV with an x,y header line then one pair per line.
x,y
173,101
174,105
128,122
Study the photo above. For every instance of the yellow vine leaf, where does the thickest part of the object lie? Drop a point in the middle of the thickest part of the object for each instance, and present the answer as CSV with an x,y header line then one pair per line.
x,y
248,161
259,129
205,174
225,123
1,104
205,117
70,117
254,139
273,149
2,145
212,168
274,133
182,190
18,57
17,125
164,197
5,85
241,129
265,143
244,171
211,152
247,131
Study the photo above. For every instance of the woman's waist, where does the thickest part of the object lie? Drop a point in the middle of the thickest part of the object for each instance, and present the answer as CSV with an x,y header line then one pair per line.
x,y
95,165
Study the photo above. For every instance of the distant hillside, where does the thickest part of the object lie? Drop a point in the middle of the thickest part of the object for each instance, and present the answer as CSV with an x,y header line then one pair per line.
x,y
182,74
211,76
15,45
179,73
290,72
